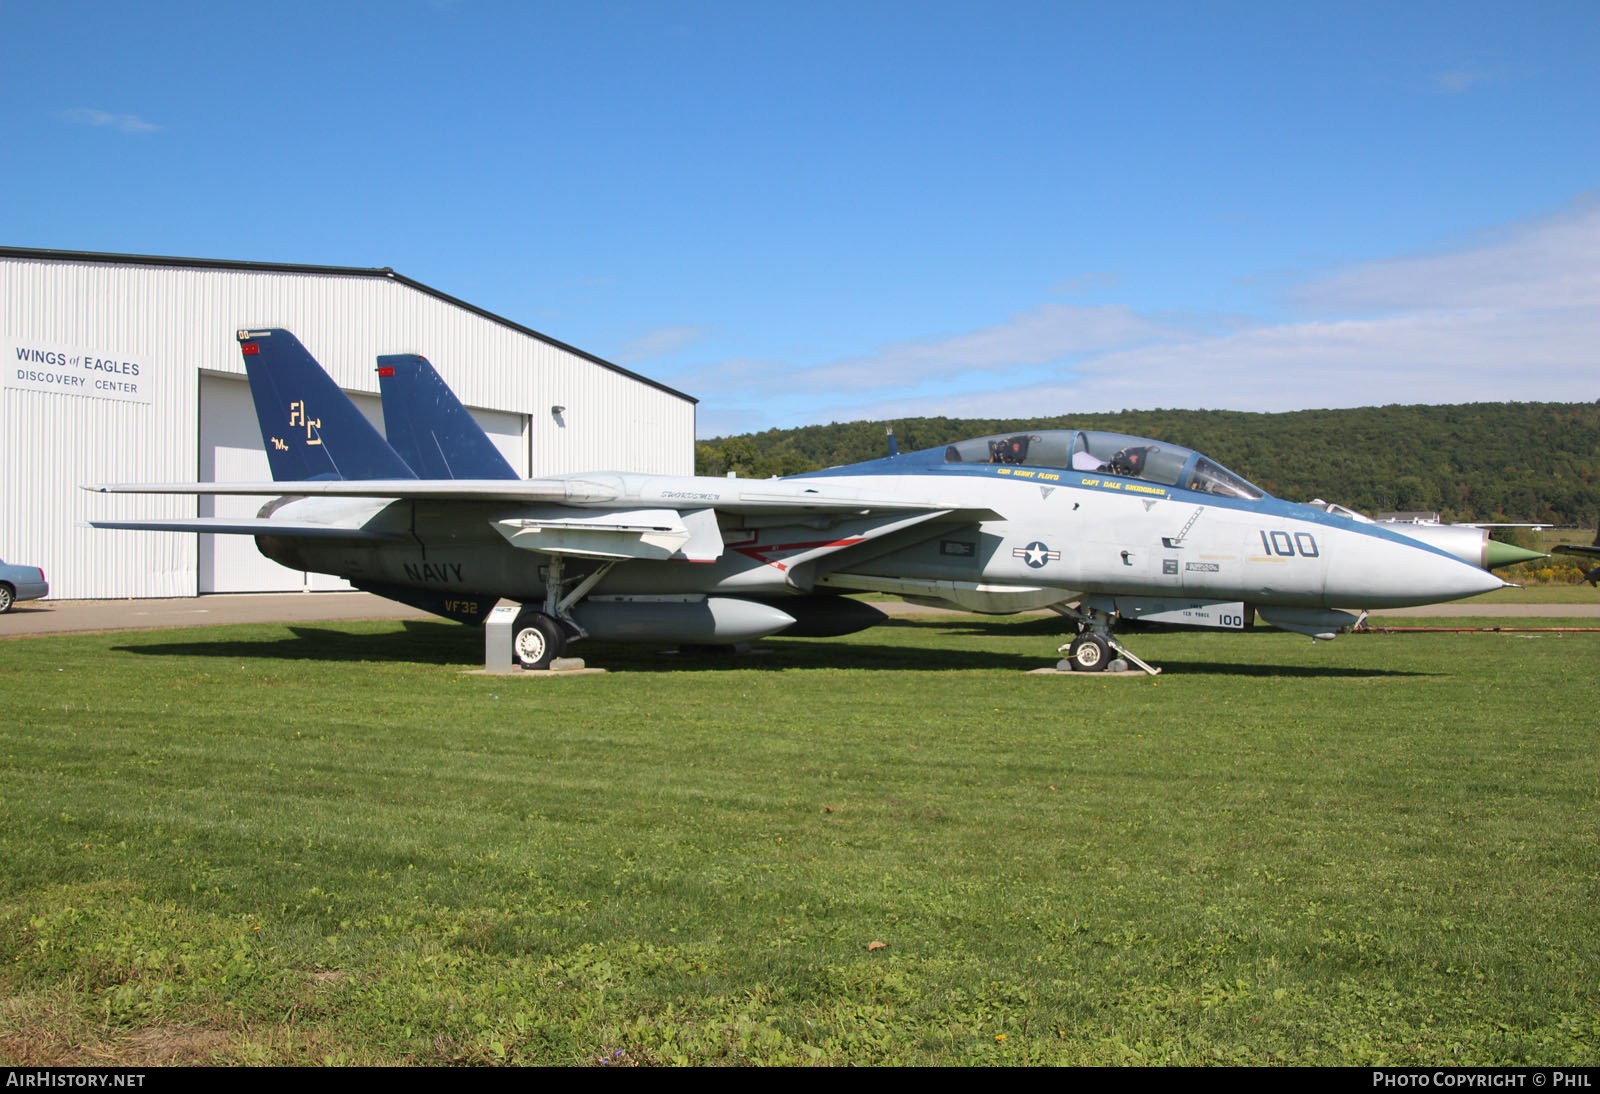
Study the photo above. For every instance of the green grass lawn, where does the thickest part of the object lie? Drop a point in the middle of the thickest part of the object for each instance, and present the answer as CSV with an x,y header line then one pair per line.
x,y
328,844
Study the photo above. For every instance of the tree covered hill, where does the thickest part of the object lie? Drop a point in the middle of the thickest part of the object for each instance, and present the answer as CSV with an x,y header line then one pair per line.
x,y
1476,461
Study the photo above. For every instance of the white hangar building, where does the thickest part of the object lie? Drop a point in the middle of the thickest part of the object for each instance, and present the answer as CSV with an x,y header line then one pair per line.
x,y
125,368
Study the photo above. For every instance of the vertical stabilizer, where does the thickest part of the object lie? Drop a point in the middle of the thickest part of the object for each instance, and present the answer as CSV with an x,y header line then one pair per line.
x,y
430,428
311,429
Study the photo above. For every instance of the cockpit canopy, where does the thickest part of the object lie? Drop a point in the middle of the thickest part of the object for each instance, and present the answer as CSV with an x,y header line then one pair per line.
x,y
1107,453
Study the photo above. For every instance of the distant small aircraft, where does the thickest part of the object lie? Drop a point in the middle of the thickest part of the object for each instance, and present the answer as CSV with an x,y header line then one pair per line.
x,y
1585,551
1093,525
1468,542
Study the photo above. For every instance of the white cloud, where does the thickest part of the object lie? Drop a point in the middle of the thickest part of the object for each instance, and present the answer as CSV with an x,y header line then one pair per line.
x,y
122,123
1427,357
1049,334
657,343
1513,314
1088,282
721,420
1461,80
1549,262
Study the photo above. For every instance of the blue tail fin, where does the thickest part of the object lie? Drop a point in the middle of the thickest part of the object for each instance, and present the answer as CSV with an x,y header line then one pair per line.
x,y
311,429
430,428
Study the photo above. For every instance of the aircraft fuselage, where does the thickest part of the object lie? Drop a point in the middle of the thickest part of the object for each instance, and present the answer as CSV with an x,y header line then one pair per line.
x,y
1051,534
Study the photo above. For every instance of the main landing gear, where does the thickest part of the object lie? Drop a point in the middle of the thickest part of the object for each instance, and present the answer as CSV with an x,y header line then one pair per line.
x,y
1092,650
537,639
538,636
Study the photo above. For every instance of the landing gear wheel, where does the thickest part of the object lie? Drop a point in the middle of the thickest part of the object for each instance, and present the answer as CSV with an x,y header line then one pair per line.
x,y
536,640
1089,653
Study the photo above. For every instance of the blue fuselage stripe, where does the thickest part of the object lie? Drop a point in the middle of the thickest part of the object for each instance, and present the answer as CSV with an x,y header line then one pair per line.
x,y
1106,483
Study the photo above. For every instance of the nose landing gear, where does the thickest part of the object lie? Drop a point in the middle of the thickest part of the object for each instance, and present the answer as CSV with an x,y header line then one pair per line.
x,y
1088,653
1091,650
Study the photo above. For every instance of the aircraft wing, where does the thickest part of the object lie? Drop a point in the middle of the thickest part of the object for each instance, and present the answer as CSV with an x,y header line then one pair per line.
x,y
248,526
727,495
604,515
465,490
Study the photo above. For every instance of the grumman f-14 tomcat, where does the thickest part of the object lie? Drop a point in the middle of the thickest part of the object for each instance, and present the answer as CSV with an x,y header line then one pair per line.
x,y
1096,526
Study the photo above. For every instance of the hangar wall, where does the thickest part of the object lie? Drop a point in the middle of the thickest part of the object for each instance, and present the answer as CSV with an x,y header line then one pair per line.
x,y
107,356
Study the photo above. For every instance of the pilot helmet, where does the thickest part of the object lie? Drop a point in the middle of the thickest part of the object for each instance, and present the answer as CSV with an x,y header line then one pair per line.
x,y
1130,461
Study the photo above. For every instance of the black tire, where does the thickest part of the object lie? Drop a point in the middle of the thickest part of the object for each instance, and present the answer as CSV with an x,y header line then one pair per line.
x,y
1089,653
8,597
536,640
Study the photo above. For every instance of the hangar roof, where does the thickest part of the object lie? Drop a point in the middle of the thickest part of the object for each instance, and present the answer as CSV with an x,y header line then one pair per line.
x,y
383,272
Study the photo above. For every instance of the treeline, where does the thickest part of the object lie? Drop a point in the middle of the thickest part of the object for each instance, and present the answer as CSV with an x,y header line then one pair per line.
x,y
1477,461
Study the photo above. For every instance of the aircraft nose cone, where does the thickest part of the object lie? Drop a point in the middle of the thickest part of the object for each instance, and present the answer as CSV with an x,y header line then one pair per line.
x,y
1461,579
1383,573
1497,554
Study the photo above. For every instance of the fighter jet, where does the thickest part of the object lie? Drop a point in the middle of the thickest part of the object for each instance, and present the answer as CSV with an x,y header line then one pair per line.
x,y
1468,542
1585,551
1096,526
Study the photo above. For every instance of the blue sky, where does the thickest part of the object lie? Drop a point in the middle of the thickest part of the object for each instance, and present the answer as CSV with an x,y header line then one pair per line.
x,y
808,212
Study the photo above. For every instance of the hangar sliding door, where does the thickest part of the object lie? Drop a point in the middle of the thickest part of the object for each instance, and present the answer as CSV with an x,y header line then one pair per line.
x,y
509,432
231,451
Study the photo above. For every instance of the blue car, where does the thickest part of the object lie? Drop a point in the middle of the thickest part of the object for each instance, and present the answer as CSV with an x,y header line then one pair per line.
x,y
20,583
